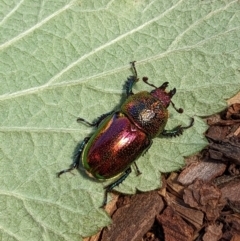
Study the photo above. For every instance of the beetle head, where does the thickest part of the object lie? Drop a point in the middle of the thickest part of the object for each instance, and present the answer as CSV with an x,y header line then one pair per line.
x,y
162,95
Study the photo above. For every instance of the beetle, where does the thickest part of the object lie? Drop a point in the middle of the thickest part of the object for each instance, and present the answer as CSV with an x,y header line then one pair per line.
x,y
123,136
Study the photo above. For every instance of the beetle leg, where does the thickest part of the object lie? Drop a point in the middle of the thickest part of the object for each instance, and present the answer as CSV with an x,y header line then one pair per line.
x,y
134,68
131,80
98,121
178,130
137,169
129,85
110,187
75,164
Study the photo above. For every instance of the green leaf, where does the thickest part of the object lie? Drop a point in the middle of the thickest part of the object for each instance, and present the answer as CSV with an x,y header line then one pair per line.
x,y
64,59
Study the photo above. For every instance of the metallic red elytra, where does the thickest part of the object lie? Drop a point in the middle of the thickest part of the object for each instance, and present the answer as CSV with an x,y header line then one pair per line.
x,y
123,136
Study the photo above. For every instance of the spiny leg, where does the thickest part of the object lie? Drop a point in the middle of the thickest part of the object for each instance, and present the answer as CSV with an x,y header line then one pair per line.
x,y
134,68
98,121
77,158
131,80
178,130
110,187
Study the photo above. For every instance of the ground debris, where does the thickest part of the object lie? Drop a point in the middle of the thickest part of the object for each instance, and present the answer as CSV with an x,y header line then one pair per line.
x,y
201,203
174,227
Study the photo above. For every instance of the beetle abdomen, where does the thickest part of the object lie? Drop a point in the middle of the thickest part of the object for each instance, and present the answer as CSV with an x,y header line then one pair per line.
x,y
114,146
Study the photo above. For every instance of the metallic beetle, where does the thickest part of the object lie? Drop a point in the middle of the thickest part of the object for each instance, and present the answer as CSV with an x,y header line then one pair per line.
x,y
123,136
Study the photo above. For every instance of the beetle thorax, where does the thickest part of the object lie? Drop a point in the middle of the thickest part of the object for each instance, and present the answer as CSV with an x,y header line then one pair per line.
x,y
146,112
147,115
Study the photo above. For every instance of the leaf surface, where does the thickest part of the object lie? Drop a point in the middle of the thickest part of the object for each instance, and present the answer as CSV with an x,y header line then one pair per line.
x,y
67,59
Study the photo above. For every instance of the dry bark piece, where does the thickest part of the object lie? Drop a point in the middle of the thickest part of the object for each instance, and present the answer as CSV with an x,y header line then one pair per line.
x,y
173,186
234,222
237,132
213,119
213,232
233,112
230,192
204,170
224,136
217,132
229,149
132,221
195,217
174,227
162,190
174,200
220,181
236,237
205,197
192,216
228,117
231,227
234,205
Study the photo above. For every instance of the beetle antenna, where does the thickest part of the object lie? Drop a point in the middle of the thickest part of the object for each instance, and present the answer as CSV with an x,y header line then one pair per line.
x,y
145,80
180,110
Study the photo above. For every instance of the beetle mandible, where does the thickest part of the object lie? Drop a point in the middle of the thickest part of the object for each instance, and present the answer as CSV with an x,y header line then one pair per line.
x,y
123,136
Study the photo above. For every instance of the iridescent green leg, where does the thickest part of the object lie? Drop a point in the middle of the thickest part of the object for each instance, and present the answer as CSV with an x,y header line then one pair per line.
x,y
110,187
178,130
77,158
131,80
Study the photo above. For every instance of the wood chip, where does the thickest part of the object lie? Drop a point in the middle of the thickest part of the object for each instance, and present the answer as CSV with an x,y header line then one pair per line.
x,y
132,221
174,227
